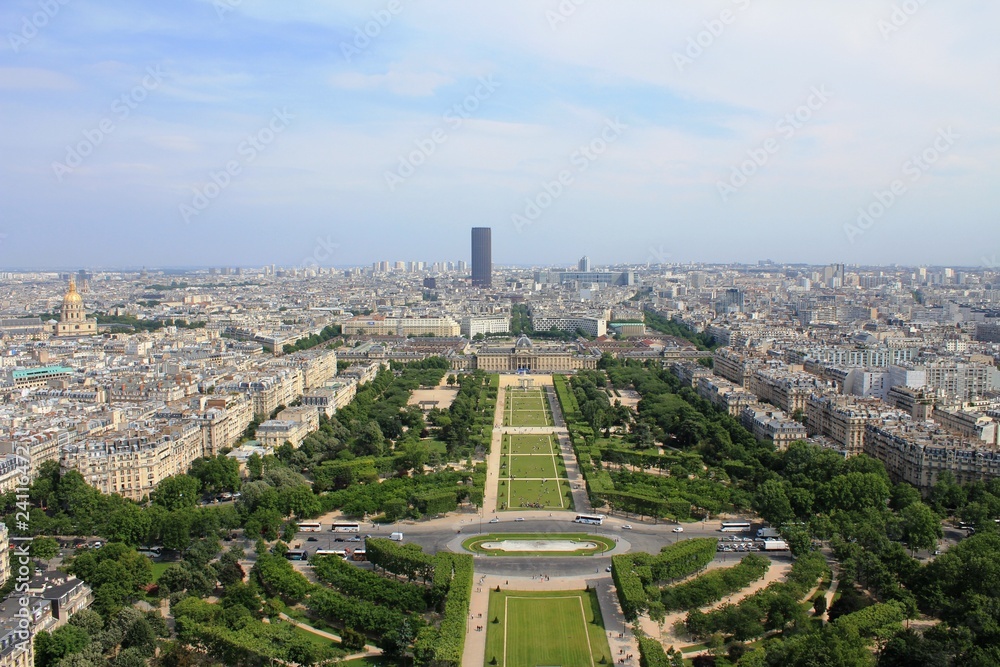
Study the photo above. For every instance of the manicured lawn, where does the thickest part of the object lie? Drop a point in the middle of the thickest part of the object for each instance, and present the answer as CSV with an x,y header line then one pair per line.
x,y
312,637
530,466
159,569
529,444
529,408
378,661
546,628
549,494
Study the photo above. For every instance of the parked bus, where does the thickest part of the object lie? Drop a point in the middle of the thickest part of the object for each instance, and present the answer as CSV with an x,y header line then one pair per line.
x,y
593,519
332,552
345,528
360,555
735,527
296,554
310,527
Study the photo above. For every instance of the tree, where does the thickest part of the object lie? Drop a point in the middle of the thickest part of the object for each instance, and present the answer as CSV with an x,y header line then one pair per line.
x,y
452,380
44,548
176,492
772,503
921,526
903,495
255,466
220,473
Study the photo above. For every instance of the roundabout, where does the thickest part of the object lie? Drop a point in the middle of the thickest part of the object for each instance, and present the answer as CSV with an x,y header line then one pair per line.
x,y
538,545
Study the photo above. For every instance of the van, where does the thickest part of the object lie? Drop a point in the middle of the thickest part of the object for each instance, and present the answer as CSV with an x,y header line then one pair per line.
x,y
396,537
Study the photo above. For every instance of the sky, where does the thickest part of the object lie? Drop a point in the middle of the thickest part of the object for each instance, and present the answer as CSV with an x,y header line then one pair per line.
x,y
247,132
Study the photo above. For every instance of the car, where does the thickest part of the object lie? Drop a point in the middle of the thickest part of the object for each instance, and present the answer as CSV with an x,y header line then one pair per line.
x,y
678,529
494,520
938,552
338,539
354,539
520,518
607,569
627,526
311,539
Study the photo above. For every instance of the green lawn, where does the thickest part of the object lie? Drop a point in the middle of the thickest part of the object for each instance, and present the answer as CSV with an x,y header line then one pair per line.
x,y
159,569
537,628
529,444
312,637
530,466
519,493
527,409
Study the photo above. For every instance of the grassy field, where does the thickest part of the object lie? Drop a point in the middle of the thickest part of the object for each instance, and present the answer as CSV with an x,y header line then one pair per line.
x,y
528,444
530,466
529,408
536,628
550,494
159,569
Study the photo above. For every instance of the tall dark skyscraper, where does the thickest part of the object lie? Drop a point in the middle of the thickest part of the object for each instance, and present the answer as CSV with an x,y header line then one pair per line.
x,y
482,257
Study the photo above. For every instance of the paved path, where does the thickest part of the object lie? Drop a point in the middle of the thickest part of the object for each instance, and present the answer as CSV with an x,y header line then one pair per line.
x,y
370,651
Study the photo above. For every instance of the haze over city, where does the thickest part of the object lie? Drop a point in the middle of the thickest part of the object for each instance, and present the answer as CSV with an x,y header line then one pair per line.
x,y
228,132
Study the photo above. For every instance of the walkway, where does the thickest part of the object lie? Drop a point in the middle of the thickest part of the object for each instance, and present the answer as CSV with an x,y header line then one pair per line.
x,y
370,651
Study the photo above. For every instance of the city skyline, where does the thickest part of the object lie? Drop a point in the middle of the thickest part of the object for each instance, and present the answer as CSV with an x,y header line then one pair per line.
x,y
205,133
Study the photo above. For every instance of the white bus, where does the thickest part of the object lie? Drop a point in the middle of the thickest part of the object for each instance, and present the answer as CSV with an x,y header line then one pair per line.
x,y
735,527
310,527
332,552
345,528
593,519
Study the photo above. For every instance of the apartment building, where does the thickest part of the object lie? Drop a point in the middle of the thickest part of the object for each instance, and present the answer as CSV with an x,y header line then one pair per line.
x,y
224,421
971,424
4,555
725,395
485,324
267,389
332,397
132,463
690,372
844,419
379,325
291,425
317,366
592,326
766,423
734,366
787,390
51,600
988,331
918,452
43,376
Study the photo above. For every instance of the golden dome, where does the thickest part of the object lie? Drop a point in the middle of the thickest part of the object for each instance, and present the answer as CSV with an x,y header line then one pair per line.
x,y
72,296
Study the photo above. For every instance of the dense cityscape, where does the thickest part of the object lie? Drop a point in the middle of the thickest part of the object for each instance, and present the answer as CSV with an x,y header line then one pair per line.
x,y
149,414
534,333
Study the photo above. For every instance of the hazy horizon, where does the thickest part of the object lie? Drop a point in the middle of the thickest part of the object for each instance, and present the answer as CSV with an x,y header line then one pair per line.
x,y
207,133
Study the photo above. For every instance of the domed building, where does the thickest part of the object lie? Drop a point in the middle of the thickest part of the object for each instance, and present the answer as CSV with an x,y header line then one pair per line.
x,y
73,319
